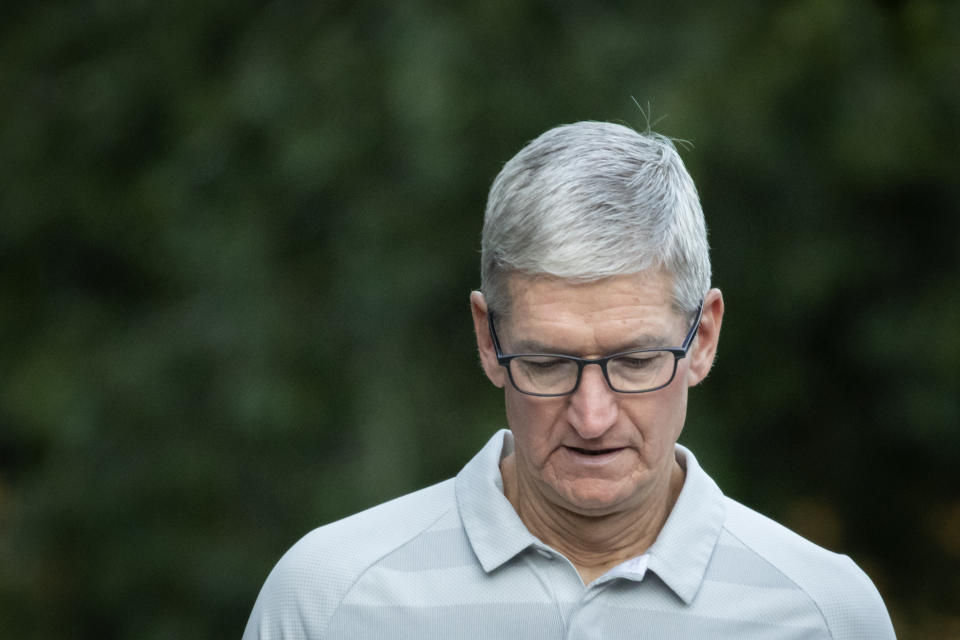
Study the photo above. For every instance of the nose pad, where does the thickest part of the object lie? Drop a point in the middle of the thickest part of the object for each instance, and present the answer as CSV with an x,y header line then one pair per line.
x,y
593,406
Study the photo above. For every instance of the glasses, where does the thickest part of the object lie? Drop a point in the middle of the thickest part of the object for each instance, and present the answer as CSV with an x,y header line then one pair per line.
x,y
551,374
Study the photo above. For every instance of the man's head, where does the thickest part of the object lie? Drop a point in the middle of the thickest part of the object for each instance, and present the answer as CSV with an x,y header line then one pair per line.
x,y
594,245
589,200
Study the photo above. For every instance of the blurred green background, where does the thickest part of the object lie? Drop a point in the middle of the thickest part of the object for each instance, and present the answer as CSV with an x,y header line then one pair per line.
x,y
237,240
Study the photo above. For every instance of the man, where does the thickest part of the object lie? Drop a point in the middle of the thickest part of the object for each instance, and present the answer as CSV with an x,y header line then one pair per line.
x,y
586,519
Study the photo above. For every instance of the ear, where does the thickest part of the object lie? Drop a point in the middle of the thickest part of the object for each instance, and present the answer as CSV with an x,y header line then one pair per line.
x,y
481,326
705,346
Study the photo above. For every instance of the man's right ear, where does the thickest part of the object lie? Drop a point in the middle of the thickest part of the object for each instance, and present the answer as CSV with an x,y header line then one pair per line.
x,y
481,326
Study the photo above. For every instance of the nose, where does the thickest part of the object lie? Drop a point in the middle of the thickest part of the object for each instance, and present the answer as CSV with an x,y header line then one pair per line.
x,y
593,406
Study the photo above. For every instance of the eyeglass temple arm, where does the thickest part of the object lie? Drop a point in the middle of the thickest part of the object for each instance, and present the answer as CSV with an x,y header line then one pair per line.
x,y
493,336
694,328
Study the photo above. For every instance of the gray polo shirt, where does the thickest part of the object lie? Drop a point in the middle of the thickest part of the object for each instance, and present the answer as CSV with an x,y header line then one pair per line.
x,y
455,561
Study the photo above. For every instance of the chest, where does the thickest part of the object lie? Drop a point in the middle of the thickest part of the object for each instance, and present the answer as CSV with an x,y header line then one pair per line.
x,y
539,595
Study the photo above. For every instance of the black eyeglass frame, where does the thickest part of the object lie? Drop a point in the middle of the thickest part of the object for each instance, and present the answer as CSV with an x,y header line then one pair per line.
x,y
678,352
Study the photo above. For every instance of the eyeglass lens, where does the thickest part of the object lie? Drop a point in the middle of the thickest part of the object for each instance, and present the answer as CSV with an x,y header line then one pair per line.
x,y
631,372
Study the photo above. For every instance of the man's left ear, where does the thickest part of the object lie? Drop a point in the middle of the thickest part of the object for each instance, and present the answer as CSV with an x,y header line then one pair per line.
x,y
705,346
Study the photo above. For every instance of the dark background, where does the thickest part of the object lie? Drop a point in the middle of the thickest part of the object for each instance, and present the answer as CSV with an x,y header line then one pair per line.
x,y
237,240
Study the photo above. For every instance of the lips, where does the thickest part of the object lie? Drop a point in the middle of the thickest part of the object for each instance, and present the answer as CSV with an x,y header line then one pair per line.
x,y
593,452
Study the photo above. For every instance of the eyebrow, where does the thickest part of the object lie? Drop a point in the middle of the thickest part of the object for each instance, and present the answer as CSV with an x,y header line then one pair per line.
x,y
642,341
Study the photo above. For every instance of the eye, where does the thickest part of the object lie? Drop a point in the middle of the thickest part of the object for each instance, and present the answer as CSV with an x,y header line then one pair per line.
x,y
638,361
543,363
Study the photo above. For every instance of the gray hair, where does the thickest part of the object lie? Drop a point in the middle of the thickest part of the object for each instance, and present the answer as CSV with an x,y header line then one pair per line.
x,y
590,200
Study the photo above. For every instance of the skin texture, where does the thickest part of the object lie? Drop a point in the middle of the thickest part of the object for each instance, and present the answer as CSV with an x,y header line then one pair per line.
x,y
598,510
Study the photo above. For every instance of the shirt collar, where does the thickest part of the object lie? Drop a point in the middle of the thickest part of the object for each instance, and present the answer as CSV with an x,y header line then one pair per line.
x,y
681,552
679,556
493,527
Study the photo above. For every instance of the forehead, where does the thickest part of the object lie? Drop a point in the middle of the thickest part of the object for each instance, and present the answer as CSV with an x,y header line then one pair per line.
x,y
592,317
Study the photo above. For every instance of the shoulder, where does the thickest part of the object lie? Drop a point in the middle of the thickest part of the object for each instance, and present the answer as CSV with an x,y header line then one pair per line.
x,y
312,578
847,599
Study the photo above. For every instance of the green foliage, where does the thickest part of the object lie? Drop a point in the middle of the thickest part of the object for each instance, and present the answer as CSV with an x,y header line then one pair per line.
x,y
237,241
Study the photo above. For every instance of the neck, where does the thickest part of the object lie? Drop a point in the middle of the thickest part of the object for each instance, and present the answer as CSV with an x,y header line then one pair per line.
x,y
593,543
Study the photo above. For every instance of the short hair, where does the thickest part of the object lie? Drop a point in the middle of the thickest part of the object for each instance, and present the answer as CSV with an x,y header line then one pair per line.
x,y
590,200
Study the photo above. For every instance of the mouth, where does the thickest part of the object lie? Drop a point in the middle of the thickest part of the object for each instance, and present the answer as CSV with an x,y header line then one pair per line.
x,y
593,452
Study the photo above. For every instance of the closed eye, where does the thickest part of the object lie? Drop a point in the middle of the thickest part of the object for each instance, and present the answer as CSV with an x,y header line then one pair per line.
x,y
544,364
638,361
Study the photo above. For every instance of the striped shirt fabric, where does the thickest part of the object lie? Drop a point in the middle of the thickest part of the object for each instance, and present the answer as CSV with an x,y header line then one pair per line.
x,y
455,561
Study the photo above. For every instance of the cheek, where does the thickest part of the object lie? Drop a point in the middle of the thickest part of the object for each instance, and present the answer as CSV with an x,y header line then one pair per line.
x,y
532,422
660,419
674,411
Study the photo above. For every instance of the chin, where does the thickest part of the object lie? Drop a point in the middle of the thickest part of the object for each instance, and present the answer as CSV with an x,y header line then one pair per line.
x,y
594,500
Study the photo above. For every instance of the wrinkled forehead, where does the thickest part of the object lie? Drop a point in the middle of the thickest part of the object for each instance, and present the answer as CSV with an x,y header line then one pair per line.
x,y
599,314
650,288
